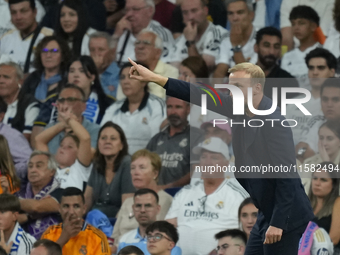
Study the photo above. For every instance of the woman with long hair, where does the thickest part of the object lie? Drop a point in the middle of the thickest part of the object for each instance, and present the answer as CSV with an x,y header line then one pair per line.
x,y
73,26
247,215
9,181
325,201
51,60
110,181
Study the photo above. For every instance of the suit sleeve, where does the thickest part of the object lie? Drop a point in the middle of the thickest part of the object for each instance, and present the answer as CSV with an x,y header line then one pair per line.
x,y
192,93
281,151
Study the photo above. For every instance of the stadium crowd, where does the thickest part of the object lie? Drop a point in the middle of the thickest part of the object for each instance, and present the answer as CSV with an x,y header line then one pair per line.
x,y
94,162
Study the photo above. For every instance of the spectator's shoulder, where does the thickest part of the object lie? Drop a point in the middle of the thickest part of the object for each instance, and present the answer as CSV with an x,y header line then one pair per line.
x,y
237,188
46,31
8,33
52,229
100,236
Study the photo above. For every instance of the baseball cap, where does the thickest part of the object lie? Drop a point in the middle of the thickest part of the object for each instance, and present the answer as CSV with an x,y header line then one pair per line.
x,y
213,144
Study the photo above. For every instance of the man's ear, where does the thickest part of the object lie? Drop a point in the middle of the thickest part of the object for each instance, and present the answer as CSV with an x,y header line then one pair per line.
x,y
332,75
171,245
256,48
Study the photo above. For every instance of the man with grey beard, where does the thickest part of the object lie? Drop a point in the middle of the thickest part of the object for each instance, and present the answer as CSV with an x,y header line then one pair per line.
x,y
172,144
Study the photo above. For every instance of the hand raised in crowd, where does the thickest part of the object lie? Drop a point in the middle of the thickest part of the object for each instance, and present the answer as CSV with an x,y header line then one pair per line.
x,y
6,247
236,35
323,152
190,31
122,25
273,235
65,114
72,225
4,184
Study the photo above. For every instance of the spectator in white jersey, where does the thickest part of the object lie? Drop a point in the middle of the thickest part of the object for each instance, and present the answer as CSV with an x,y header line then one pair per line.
x,y
208,206
74,27
200,36
231,242
173,143
305,21
19,43
74,153
13,238
138,15
321,65
307,145
140,114
22,108
238,47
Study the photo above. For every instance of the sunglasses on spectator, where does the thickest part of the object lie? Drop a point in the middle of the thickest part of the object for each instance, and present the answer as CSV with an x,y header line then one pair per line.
x,y
157,237
143,42
69,100
46,50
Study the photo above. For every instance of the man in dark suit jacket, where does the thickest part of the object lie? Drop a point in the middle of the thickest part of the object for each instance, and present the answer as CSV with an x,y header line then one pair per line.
x,y
284,208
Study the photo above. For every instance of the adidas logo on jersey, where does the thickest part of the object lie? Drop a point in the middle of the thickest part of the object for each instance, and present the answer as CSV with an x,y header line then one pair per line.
x,y
190,204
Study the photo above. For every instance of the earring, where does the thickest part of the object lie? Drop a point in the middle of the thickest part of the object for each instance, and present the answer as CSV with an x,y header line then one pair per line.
x,y
19,85
92,82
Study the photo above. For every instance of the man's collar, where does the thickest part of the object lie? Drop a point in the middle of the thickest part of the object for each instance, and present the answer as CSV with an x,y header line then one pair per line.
x,y
138,236
125,107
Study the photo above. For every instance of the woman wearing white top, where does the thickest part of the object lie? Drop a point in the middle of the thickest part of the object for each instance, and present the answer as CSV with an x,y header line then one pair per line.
x,y
74,27
74,150
329,150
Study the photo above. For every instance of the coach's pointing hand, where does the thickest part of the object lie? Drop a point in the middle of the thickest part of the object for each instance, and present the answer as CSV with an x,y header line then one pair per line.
x,y
141,73
273,235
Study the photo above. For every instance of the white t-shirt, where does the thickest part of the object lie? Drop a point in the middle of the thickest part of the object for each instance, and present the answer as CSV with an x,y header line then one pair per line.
x,y
226,55
323,8
155,26
73,176
22,241
293,112
200,217
141,125
294,63
16,47
333,44
208,44
5,16
31,113
260,15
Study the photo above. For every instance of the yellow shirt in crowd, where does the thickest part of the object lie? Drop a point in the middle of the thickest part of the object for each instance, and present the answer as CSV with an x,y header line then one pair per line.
x,y
89,241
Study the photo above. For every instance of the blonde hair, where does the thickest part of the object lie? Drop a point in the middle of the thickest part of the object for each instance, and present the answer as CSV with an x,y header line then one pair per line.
x,y
256,73
155,160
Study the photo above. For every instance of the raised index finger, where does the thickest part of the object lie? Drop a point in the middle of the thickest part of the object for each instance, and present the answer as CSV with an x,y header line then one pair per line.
x,y
133,62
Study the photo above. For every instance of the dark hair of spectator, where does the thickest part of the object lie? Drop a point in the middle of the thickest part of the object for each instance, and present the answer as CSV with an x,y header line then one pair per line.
x,y
99,159
72,86
6,163
130,250
304,12
3,105
10,203
197,66
2,251
90,68
154,158
165,227
271,31
73,191
32,2
336,15
334,126
233,233
51,247
322,53
245,202
129,65
141,192
329,199
330,83
64,50
82,27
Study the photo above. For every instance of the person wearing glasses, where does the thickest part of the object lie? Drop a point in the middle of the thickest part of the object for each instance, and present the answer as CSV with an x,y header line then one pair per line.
x,y
74,163
51,60
161,238
231,242
71,99
138,15
209,205
148,50
145,209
